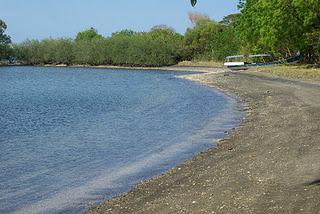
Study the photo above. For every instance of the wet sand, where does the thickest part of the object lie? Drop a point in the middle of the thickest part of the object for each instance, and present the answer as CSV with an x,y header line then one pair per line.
x,y
270,164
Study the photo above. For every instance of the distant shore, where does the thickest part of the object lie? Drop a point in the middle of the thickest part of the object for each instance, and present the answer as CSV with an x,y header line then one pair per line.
x,y
194,67
270,164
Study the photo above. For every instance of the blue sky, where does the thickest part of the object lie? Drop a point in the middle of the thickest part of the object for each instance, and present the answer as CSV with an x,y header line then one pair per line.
x,y
38,19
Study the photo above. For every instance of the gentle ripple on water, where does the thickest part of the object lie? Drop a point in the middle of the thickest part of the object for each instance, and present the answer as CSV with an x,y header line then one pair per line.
x,y
71,137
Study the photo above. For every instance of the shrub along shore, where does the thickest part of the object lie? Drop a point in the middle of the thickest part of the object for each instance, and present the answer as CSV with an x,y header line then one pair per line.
x,y
161,46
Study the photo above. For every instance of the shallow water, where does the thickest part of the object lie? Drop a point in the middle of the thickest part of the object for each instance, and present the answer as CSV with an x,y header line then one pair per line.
x,y
72,137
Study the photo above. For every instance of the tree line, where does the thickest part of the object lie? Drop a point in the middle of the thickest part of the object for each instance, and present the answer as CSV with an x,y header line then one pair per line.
x,y
160,46
280,27
155,48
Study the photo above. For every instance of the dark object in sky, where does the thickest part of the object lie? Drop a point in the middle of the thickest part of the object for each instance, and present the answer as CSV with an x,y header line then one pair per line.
x,y
193,2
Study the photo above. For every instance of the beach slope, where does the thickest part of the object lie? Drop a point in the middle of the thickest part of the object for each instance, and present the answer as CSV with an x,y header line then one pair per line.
x,y
270,164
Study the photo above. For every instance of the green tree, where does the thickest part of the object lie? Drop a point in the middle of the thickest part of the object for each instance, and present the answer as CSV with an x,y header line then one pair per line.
x,y
161,46
158,47
47,51
88,35
90,48
162,27
168,45
210,40
29,52
196,17
279,26
92,52
230,19
4,40
64,51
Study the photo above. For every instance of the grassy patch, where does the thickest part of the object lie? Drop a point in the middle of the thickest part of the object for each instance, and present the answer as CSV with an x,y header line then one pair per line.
x,y
296,72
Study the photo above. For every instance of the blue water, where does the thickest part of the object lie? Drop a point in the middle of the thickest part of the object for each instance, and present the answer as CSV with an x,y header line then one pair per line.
x,y
72,137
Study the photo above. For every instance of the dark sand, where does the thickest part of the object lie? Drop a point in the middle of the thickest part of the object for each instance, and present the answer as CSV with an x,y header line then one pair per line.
x,y
270,164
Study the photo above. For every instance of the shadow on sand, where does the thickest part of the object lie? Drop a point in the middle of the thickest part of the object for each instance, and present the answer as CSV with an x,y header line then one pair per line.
x,y
314,183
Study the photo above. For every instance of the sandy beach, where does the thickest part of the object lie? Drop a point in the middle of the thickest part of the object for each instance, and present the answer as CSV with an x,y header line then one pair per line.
x,y
270,164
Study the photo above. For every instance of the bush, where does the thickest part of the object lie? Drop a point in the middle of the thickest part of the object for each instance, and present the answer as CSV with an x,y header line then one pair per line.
x,y
160,46
210,40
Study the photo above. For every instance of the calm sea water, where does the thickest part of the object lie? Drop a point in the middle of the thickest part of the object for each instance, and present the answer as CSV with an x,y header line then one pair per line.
x,y
72,137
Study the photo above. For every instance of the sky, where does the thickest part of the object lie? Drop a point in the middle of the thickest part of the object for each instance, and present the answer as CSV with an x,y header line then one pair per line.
x,y
39,19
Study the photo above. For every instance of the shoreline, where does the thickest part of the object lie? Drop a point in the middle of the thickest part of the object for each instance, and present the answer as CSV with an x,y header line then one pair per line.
x,y
247,171
183,68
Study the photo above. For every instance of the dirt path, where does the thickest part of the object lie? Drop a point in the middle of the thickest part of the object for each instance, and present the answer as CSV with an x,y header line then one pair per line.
x,y
270,164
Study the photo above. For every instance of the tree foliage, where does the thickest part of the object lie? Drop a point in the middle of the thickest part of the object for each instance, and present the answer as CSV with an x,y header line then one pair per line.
x,y
279,26
47,51
282,27
5,40
88,35
196,17
210,40
230,19
160,46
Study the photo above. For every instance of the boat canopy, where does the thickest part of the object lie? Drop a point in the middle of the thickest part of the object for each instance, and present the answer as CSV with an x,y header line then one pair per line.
x,y
235,56
260,55
250,56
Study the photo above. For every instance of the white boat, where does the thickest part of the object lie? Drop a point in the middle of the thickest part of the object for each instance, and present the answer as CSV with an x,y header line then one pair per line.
x,y
236,62
243,62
